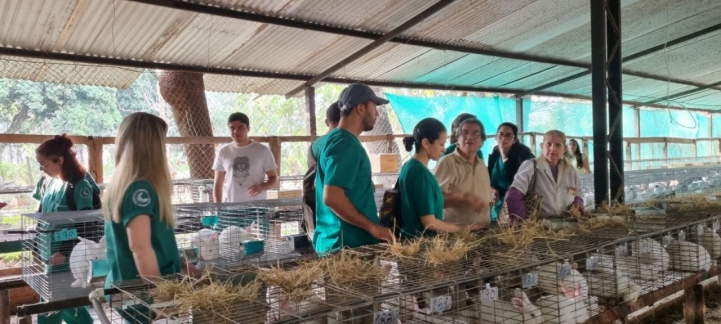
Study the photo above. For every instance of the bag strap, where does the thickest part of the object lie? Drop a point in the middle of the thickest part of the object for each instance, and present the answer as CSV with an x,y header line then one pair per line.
x,y
532,184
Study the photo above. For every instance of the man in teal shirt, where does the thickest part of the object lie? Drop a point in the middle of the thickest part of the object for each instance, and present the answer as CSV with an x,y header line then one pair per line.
x,y
332,118
346,212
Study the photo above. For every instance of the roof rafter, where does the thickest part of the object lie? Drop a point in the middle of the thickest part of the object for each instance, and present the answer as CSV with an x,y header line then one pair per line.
x,y
438,6
315,26
636,56
288,76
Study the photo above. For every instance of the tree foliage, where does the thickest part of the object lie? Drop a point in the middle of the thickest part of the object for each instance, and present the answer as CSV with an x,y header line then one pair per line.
x,y
28,107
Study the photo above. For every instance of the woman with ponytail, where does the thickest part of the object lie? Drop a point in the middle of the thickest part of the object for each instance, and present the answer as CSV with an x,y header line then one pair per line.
x,y
66,186
421,199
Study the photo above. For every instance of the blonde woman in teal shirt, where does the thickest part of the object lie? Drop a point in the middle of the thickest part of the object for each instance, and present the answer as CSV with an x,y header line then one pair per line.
x,y
421,199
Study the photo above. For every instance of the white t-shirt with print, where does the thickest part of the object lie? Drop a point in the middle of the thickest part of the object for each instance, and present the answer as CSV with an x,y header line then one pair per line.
x,y
243,166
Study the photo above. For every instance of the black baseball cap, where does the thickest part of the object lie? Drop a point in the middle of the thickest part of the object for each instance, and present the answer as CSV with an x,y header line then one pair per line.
x,y
358,93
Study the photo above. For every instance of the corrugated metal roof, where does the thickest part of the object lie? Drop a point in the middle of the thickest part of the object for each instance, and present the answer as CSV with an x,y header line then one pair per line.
x,y
553,28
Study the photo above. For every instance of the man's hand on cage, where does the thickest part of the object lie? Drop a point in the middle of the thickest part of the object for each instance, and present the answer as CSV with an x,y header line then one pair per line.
x,y
382,233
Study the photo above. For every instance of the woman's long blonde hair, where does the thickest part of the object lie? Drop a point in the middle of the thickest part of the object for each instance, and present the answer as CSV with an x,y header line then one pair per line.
x,y
140,155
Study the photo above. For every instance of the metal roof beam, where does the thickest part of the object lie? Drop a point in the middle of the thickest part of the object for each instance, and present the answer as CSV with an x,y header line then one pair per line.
x,y
636,56
86,59
683,93
430,11
308,25
314,26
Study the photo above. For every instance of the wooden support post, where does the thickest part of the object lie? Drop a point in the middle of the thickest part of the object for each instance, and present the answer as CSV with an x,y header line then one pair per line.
x,y
519,114
275,147
695,151
665,150
95,159
390,143
628,155
26,320
694,308
584,147
310,108
532,144
4,307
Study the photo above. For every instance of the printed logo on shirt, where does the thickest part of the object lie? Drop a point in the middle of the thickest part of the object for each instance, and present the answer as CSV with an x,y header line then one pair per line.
x,y
85,193
141,198
241,169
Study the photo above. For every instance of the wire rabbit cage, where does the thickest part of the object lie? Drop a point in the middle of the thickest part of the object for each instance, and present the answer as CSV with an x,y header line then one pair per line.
x,y
67,252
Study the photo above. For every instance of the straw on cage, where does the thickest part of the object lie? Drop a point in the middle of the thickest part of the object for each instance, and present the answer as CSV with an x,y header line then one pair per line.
x,y
614,209
695,202
295,284
443,249
405,249
578,213
520,236
205,295
594,223
348,267
469,237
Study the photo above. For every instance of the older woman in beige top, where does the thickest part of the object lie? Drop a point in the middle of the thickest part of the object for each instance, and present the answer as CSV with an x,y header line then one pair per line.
x,y
463,177
556,180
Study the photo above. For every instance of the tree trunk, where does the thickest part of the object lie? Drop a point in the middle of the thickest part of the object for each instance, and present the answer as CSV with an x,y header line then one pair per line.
x,y
382,127
16,123
185,93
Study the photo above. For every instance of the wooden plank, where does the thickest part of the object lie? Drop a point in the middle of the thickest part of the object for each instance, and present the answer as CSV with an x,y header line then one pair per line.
x,y
275,144
95,159
624,309
37,139
310,109
4,307
390,139
694,308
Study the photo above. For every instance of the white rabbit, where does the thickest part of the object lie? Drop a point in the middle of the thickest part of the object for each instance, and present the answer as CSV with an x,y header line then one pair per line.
x,y
549,282
83,252
283,309
519,310
711,242
206,241
232,236
642,265
610,283
568,308
688,256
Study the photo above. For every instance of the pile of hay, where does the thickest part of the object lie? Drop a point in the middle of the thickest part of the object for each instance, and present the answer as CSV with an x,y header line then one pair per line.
x,y
442,249
614,209
206,295
348,267
470,238
594,223
696,202
295,284
406,249
520,236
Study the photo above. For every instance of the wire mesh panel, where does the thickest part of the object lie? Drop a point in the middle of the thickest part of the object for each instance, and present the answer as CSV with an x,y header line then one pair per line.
x,y
68,253
229,234
217,297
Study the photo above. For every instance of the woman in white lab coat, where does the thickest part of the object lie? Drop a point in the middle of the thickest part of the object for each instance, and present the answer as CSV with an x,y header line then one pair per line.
x,y
556,181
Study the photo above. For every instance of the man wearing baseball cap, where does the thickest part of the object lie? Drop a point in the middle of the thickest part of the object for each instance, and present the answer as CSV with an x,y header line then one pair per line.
x,y
346,212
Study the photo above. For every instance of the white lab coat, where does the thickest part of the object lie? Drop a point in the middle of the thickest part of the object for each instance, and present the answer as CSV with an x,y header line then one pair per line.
x,y
557,195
